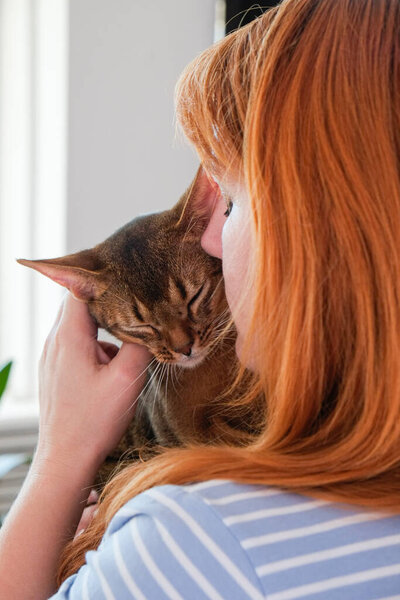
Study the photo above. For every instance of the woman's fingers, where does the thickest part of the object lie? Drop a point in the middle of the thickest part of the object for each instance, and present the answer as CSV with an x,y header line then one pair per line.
x,y
60,312
88,512
106,352
76,316
86,518
53,330
131,363
93,497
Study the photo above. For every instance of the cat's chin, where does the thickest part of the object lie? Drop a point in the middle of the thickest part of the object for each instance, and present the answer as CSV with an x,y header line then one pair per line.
x,y
186,362
189,362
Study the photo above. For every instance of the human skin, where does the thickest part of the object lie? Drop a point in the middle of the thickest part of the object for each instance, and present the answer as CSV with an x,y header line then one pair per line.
x,y
227,236
84,381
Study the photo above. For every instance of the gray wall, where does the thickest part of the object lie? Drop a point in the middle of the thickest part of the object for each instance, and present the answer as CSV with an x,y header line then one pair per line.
x,y
124,59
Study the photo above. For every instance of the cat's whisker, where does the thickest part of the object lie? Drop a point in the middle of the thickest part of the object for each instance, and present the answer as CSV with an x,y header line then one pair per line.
x,y
133,382
167,379
148,388
224,315
218,339
136,379
222,336
174,373
143,397
158,386
173,377
223,330
223,323
226,323
216,288
218,328
224,326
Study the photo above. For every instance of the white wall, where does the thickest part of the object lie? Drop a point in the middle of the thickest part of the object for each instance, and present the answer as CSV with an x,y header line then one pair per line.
x,y
125,58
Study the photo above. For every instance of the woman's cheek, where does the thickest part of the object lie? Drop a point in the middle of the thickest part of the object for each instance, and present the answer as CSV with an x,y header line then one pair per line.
x,y
235,247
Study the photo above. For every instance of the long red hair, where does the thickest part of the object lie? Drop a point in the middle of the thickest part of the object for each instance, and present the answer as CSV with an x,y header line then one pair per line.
x,y
304,104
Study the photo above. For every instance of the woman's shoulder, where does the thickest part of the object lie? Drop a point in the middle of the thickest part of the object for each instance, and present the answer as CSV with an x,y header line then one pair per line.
x,y
279,539
192,509
224,539
173,532
238,502
256,515
205,496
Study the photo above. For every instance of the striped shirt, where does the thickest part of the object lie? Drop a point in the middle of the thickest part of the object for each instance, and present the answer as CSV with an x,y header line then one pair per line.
x,y
224,540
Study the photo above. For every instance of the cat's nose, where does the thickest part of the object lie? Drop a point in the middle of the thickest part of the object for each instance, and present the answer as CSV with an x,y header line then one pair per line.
x,y
186,349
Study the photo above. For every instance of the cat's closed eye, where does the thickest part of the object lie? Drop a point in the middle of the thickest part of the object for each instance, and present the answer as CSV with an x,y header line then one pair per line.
x,y
194,298
143,332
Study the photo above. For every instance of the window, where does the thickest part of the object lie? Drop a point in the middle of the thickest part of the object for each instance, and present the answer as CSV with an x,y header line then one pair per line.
x,y
33,75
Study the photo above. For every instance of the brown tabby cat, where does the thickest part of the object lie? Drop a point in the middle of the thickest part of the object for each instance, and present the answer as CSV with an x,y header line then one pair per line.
x,y
151,283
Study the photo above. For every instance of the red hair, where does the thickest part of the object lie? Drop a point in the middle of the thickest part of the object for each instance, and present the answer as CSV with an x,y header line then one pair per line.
x,y
304,105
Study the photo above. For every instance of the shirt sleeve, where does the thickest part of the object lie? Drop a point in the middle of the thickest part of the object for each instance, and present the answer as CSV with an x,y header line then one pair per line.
x,y
165,543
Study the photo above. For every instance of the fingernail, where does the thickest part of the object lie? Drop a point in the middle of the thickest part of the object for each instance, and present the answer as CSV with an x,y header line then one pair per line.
x,y
79,533
93,496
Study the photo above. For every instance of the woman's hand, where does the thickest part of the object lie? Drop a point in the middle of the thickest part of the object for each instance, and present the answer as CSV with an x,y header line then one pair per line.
x,y
88,390
88,513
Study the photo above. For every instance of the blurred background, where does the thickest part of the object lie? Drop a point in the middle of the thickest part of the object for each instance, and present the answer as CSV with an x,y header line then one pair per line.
x,y
87,142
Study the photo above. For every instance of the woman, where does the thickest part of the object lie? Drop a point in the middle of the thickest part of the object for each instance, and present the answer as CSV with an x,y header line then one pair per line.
x,y
297,117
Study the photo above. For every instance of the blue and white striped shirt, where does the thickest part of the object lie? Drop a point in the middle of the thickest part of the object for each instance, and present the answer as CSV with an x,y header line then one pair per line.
x,y
224,540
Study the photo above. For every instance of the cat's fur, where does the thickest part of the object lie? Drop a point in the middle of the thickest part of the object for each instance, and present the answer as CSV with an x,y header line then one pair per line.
x,y
151,283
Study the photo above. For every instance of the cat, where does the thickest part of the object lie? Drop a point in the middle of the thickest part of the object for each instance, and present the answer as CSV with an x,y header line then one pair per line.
x,y
151,283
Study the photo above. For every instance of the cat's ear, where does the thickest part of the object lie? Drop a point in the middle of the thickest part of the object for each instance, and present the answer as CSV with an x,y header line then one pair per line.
x,y
199,199
81,273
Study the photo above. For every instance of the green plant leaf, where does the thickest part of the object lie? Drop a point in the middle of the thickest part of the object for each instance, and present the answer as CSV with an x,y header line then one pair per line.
x,y
4,374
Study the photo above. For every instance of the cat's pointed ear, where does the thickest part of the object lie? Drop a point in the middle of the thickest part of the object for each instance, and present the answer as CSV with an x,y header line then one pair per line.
x,y
82,273
199,199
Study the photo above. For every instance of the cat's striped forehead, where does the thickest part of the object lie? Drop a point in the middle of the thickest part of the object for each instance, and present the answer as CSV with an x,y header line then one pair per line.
x,y
179,290
177,294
